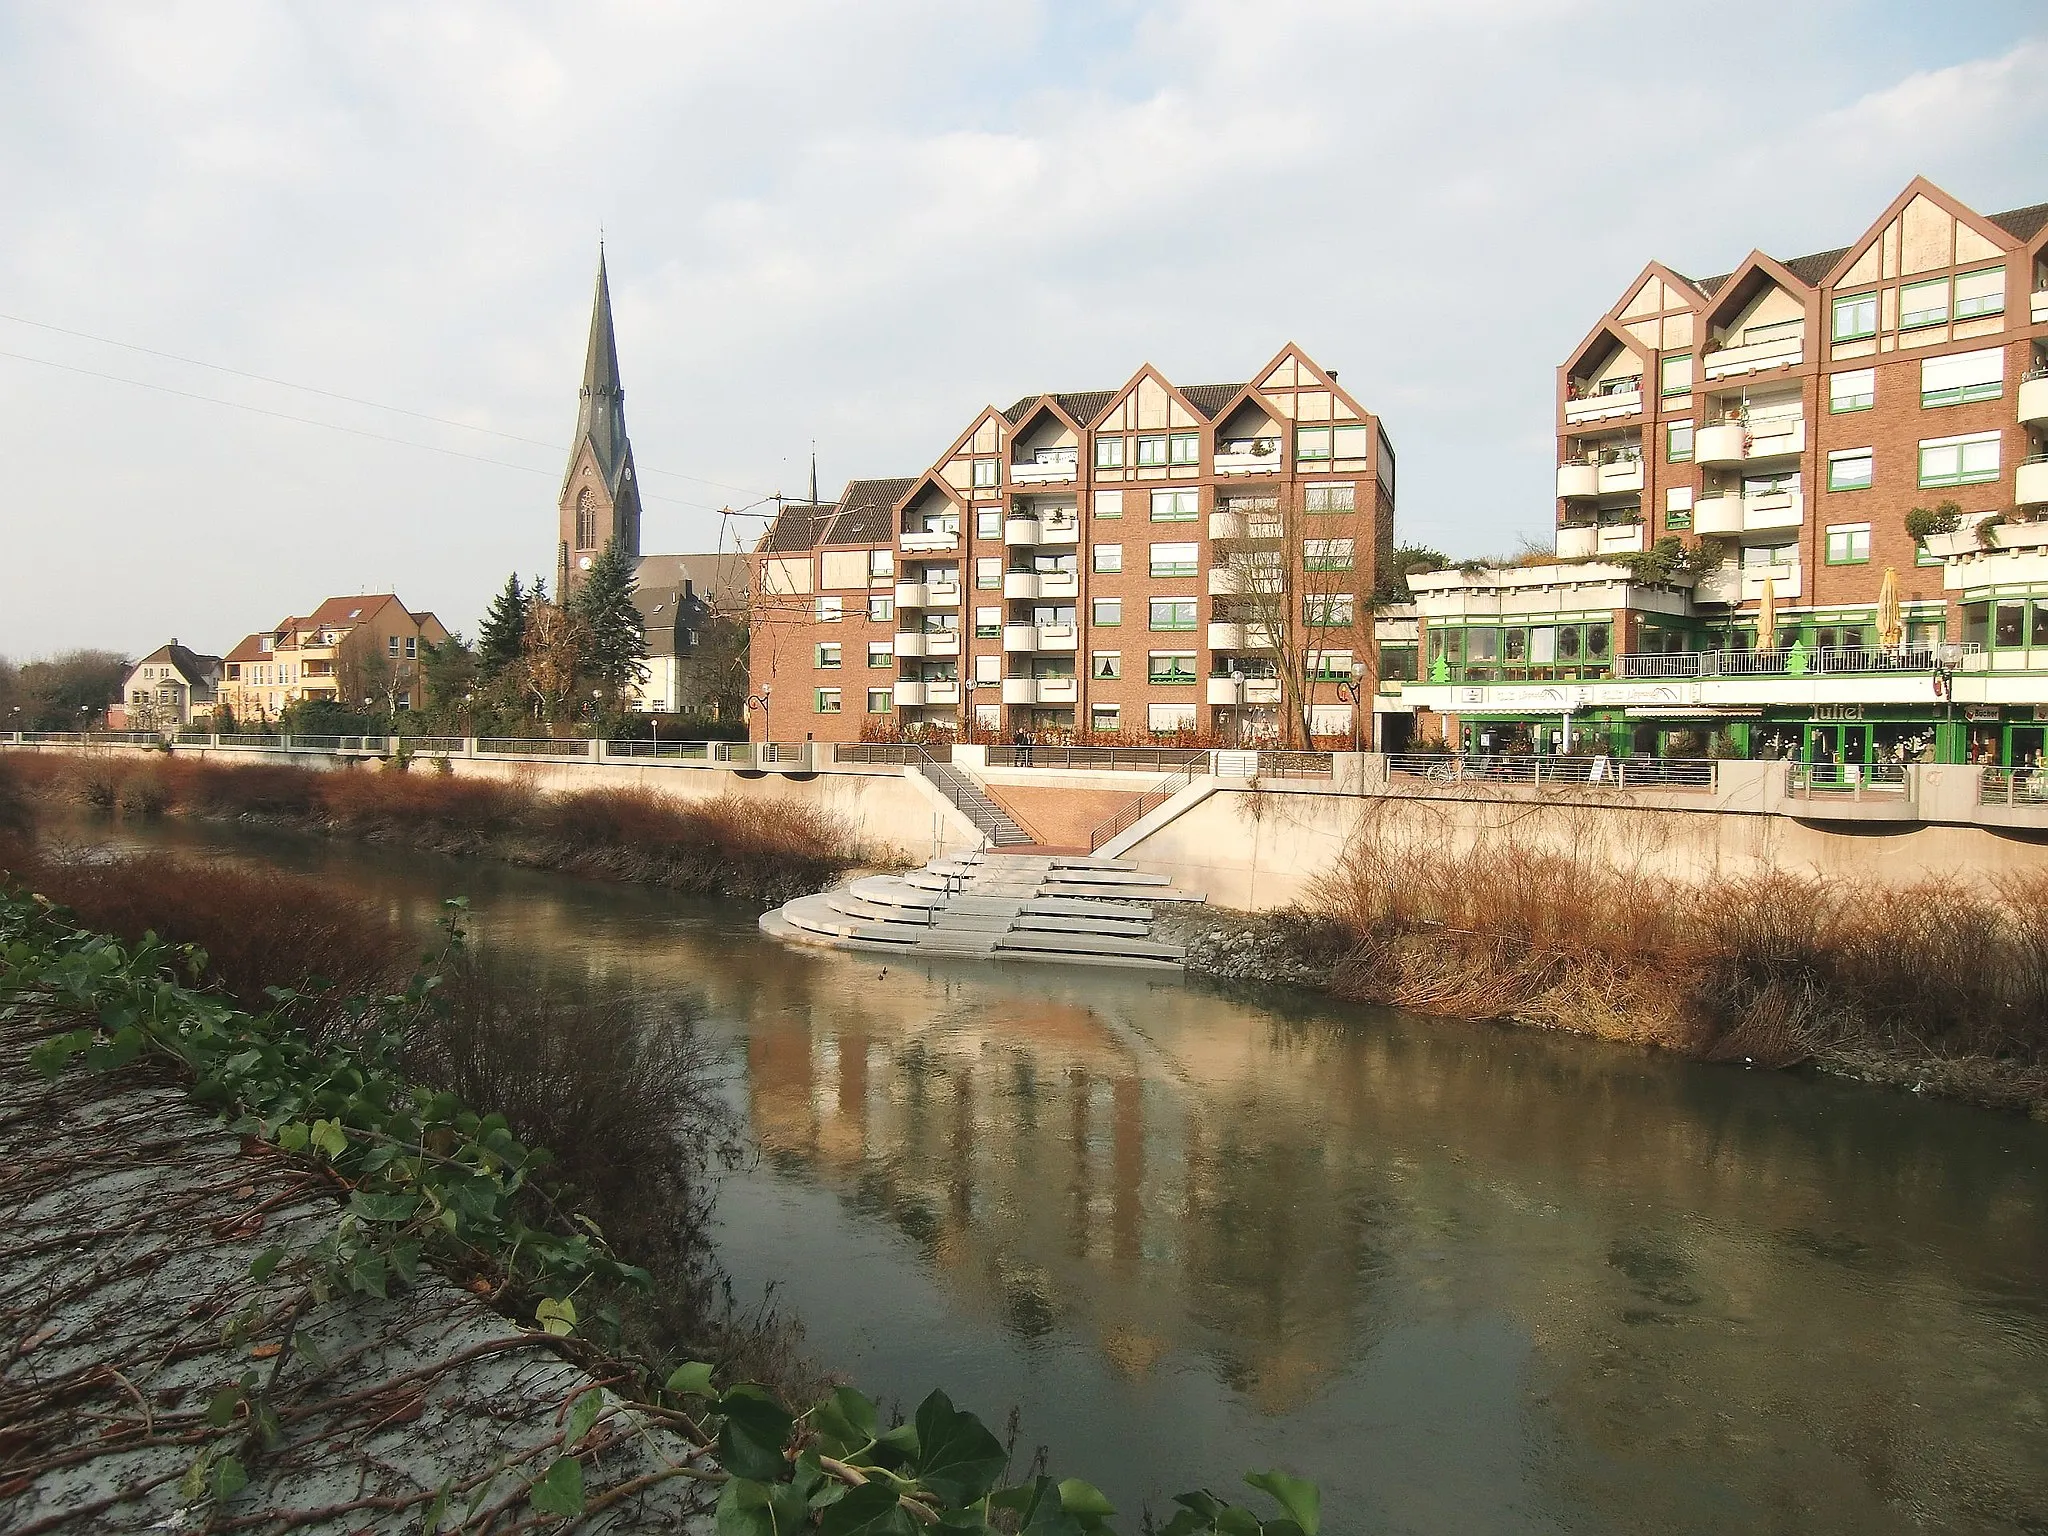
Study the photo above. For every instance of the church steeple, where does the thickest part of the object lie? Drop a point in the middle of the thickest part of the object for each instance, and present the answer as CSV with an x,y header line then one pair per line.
x,y
601,493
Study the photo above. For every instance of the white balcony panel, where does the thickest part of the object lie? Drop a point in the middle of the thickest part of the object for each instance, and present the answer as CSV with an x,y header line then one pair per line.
x,y
1224,582
2030,484
911,643
1055,637
1060,530
1020,690
1722,584
1718,444
2038,309
910,594
1623,475
1020,531
1059,584
1718,514
1578,480
1621,538
1226,637
1262,690
1577,543
1773,510
1020,584
928,543
1779,352
1248,463
1059,690
1600,407
1784,579
2034,401
1776,438
1020,638
944,643
942,693
1226,525
942,594
1044,474
1224,690
909,695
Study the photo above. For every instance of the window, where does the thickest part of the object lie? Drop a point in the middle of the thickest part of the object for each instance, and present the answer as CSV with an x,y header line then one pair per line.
x,y
1849,544
1329,666
1170,669
1185,448
828,655
1856,317
1980,293
1351,443
1959,460
988,523
391,642
988,573
882,607
988,623
586,520
986,472
1962,377
826,701
1326,554
1173,613
1678,442
881,701
1109,503
881,653
1340,496
1174,559
1108,665
1151,452
1169,719
1109,558
1329,610
1109,610
1107,718
1109,453
1850,469
830,610
1676,374
1311,443
2008,625
1175,506
412,647
1855,390
1923,304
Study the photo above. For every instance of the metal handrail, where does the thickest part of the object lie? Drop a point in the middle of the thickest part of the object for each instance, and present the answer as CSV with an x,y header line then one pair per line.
x,y
534,746
1831,660
1140,806
2014,787
1847,781
1106,759
1590,771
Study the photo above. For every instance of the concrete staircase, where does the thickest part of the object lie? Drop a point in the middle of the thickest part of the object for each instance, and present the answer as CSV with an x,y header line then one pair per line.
x,y
995,822
1004,907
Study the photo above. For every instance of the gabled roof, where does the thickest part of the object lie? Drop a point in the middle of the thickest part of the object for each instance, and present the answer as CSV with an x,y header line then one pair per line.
x,y
710,576
863,514
2021,223
250,648
192,665
341,612
1088,404
1208,399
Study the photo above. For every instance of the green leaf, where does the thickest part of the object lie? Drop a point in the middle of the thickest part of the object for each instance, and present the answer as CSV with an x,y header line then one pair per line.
x,y
557,1317
560,1489
958,1459
264,1263
220,1408
430,1522
327,1136
50,1057
228,1478
1300,1498
584,1415
691,1380
846,1422
754,1431
367,1275
385,1207
869,1510
1233,1521
292,1137
1079,1498
743,1509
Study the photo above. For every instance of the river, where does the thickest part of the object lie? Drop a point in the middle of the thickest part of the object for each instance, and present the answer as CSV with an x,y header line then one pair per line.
x,y
1467,1278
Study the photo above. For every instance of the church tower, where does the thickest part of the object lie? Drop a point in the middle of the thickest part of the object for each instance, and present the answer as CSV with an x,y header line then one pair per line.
x,y
600,494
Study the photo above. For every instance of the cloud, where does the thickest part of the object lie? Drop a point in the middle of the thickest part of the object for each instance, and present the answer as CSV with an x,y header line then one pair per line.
x,y
853,224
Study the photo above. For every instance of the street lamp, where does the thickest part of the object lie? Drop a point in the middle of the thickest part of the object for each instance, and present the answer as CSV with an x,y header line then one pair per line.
x,y
1352,691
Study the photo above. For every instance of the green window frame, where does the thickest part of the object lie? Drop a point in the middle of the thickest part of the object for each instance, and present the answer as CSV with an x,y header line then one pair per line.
x,y
1674,375
1176,506
829,656
1106,666
1852,469
1335,496
881,653
1329,667
1855,316
1172,613
1109,453
988,523
1968,460
1846,394
1678,436
881,701
1332,610
1849,544
1107,612
1312,444
1175,559
1106,559
827,701
1184,448
1988,297
1152,452
1964,393
987,472
1931,299
1170,669
1327,554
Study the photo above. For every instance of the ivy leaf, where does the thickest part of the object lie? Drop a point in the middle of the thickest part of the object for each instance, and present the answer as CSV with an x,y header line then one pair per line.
x,y
50,1057
869,1510
327,1136
557,1317
385,1207
754,1430
560,1489
958,1459
1300,1498
691,1380
584,1415
367,1274
846,1421
220,1408
743,1509
264,1263
228,1478
292,1137
1079,1498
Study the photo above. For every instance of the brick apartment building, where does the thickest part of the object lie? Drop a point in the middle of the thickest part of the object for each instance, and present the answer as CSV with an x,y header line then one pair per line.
x,y
1793,412
346,651
1089,564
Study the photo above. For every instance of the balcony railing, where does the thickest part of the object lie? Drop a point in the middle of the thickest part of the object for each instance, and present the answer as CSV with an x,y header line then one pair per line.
x,y
1624,400
1748,356
1557,772
1041,472
2014,788
1848,781
1248,456
1821,661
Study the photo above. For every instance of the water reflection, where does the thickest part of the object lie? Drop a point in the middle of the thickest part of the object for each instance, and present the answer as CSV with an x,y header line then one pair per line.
x,y
1468,1278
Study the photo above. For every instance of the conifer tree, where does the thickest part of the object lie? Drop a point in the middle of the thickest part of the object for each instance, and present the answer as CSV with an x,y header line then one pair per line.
x,y
502,638
614,635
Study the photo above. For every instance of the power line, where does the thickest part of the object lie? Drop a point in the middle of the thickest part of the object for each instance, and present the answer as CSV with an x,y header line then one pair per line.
x,y
330,426
314,389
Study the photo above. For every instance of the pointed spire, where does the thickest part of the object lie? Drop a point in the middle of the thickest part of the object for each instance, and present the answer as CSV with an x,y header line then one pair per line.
x,y
601,360
601,423
814,474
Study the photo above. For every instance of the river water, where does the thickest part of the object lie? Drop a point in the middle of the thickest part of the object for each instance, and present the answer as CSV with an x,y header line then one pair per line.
x,y
1468,1278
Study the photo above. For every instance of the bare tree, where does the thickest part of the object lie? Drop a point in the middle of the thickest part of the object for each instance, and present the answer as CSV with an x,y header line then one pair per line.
x,y
551,663
1293,570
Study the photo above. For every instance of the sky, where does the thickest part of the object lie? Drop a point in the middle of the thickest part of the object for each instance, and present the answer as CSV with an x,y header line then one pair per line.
x,y
372,230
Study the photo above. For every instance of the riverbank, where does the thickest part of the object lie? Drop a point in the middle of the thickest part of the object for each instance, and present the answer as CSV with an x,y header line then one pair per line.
x,y
732,846
1931,987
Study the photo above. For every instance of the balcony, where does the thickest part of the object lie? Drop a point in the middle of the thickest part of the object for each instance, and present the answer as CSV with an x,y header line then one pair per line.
x,y
1718,514
1059,528
910,594
1621,475
1599,407
1059,690
1026,638
936,642
1776,437
1058,584
911,643
1770,510
1722,443
2030,482
1021,532
2034,399
1619,538
1577,543
942,594
909,695
1020,690
1249,456
2038,308
1020,584
1228,636
1578,479
933,542
1225,582
1225,690
1789,661
943,692
1046,471
1767,351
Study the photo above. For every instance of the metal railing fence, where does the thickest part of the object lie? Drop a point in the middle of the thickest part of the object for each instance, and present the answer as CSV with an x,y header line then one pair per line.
x,y
1563,772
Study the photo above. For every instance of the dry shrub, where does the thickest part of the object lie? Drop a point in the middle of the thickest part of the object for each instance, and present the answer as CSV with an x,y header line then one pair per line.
x,y
1775,968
